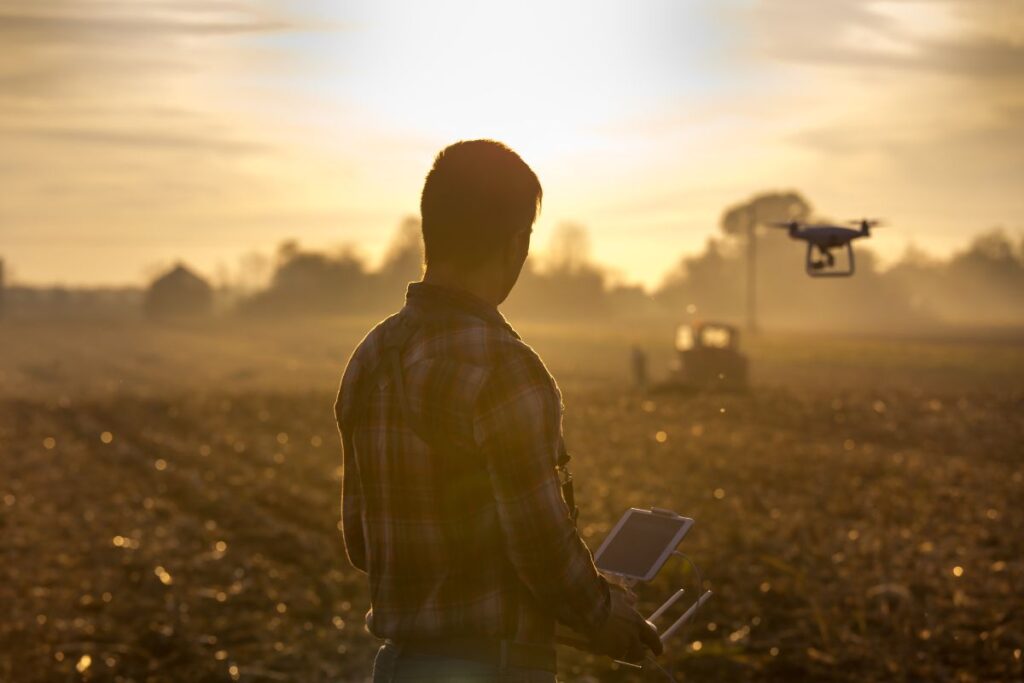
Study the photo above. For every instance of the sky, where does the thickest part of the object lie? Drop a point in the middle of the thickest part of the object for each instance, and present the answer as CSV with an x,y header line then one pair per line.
x,y
139,132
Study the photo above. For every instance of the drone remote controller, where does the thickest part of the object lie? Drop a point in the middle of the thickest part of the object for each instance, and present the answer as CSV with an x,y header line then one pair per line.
x,y
636,549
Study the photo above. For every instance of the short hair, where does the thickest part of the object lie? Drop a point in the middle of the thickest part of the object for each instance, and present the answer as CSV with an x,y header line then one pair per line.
x,y
477,194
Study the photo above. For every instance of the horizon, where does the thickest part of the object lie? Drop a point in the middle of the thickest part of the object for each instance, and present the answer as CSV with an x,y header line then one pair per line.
x,y
231,277
144,134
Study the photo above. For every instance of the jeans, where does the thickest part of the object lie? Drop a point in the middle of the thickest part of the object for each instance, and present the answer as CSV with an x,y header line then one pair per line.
x,y
391,666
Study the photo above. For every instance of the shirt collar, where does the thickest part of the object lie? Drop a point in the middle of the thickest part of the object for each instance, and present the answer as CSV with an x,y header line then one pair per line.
x,y
436,298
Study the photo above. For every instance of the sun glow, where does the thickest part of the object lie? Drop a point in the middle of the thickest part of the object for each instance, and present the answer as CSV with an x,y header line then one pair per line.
x,y
550,79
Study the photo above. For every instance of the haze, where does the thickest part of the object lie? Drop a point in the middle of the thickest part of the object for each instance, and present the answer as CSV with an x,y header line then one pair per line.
x,y
137,133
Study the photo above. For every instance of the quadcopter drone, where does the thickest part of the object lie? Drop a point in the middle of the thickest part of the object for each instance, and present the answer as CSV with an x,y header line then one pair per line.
x,y
823,238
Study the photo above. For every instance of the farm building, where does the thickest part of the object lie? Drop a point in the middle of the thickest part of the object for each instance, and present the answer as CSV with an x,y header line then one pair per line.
x,y
178,293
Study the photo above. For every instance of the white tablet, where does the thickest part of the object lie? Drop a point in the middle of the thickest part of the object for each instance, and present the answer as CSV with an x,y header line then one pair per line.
x,y
641,542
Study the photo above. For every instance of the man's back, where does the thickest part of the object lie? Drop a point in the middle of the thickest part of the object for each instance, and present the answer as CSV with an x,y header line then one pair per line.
x,y
454,529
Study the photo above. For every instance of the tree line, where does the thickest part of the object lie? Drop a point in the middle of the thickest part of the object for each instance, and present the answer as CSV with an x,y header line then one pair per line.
x,y
978,285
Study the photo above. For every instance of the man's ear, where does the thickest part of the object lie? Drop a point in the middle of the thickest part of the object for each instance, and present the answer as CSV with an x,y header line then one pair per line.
x,y
521,242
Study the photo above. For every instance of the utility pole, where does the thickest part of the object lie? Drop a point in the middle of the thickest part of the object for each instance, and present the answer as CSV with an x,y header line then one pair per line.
x,y
751,273
2,290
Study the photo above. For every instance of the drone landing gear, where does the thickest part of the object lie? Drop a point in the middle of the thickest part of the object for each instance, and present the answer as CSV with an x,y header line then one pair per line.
x,y
825,266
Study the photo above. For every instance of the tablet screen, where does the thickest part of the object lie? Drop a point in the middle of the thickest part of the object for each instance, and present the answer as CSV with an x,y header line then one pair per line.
x,y
639,544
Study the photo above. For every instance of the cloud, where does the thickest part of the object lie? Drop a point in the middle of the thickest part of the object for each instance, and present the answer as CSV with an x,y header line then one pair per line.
x,y
974,58
136,21
120,122
215,143
967,38
64,47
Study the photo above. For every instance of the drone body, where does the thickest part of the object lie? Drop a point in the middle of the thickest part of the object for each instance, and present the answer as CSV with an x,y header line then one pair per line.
x,y
822,239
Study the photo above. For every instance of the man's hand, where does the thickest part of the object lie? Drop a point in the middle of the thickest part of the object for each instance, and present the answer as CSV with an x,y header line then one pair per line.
x,y
616,582
625,635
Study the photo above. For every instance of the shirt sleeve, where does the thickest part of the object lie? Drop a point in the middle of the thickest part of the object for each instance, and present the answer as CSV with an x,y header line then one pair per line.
x,y
352,511
353,537
517,424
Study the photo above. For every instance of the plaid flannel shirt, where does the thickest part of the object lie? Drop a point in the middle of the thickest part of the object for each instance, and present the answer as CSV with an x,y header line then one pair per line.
x,y
468,535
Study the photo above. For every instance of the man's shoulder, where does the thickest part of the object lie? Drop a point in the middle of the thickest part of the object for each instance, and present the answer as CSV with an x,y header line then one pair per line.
x,y
368,350
364,357
513,351
514,367
465,340
477,342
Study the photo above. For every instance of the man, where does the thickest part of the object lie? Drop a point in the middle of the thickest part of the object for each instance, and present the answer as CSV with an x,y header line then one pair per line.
x,y
451,429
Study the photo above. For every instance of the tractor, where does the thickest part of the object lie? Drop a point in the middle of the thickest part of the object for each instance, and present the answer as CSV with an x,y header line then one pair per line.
x,y
709,358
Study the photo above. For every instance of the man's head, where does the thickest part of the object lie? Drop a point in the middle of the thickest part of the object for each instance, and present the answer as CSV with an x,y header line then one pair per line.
x,y
478,206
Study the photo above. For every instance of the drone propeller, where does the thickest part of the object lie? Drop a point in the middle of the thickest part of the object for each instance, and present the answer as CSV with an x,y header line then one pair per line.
x,y
870,222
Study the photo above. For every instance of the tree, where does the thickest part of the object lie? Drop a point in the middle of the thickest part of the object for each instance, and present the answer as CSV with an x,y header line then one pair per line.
x,y
568,249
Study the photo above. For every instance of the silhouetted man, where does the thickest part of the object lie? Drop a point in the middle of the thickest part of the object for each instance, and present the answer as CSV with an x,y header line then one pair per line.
x,y
451,428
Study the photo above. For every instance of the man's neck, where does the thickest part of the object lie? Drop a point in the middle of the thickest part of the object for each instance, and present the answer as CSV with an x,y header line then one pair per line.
x,y
474,284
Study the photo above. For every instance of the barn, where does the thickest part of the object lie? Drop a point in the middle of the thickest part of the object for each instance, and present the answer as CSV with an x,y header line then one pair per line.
x,y
178,293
